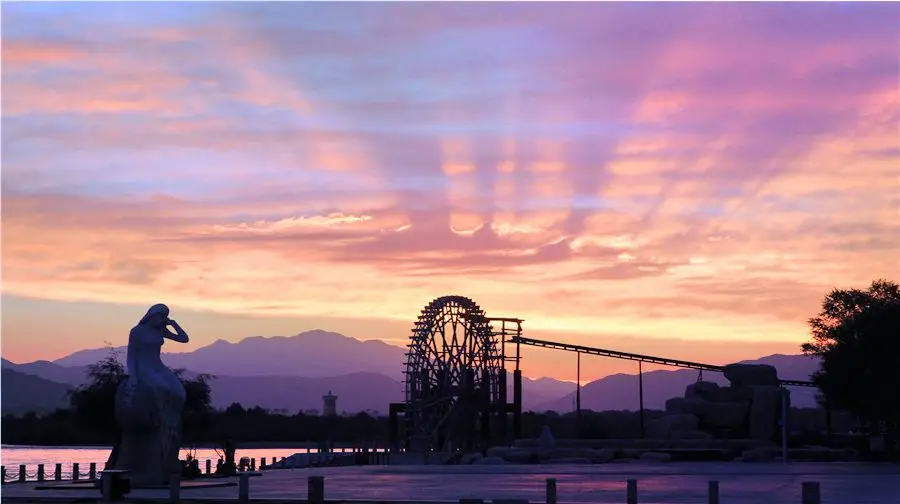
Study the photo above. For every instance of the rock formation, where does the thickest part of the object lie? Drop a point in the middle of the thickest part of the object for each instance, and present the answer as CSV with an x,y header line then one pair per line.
x,y
749,408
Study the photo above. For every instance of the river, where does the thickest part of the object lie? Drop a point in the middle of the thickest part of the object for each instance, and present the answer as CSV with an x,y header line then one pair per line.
x,y
11,456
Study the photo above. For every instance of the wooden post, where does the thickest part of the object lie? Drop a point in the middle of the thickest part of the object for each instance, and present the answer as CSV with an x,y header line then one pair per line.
x,y
641,395
75,471
810,493
253,464
631,492
92,471
244,487
784,425
174,488
57,472
713,492
22,470
40,474
316,490
262,463
578,396
208,466
551,490
3,474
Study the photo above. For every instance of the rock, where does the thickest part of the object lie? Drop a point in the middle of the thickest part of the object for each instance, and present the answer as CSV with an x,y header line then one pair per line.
x,y
745,375
703,389
735,394
662,428
546,439
765,410
655,457
517,455
603,455
470,458
691,434
723,414
569,460
630,453
675,405
490,461
758,455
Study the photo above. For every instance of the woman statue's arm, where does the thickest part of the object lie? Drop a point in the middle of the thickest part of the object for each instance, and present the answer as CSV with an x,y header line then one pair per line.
x,y
179,335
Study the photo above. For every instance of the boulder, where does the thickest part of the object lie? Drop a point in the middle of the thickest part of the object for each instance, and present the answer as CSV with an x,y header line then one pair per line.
x,y
569,460
655,457
603,455
722,414
663,427
546,439
675,405
702,389
735,394
746,375
758,455
765,410
470,458
694,434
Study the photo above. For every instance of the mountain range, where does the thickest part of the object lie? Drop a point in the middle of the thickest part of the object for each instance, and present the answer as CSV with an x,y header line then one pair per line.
x,y
365,375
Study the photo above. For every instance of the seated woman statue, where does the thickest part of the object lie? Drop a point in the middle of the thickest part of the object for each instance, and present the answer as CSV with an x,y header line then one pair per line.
x,y
149,404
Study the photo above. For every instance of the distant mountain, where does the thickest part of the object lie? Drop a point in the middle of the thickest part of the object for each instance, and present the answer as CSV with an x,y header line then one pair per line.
x,y
23,393
312,354
293,373
620,391
50,371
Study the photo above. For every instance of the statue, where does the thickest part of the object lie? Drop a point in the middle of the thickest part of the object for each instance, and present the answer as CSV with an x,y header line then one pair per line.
x,y
149,404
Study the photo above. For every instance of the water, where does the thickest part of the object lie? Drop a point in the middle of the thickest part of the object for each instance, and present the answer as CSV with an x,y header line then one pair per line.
x,y
11,456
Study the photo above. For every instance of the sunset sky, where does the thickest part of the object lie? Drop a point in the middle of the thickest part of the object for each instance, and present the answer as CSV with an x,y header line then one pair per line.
x,y
686,180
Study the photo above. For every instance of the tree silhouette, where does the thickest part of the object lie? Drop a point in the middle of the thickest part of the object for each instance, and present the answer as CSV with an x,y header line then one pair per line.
x,y
94,403
857,336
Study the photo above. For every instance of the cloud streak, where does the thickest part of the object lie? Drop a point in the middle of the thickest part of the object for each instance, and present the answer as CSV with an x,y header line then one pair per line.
x,y
697,171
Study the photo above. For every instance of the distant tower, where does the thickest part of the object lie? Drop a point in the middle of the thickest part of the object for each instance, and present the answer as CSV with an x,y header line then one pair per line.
x,y
330,404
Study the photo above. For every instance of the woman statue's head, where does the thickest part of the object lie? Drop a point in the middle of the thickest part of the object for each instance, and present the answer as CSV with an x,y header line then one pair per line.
x,y
157,316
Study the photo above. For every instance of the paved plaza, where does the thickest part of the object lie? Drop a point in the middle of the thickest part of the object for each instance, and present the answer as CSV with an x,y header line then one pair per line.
x,y
673,483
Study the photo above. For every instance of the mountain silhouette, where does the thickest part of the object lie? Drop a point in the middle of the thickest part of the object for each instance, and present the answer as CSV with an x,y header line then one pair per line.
x,y
26,393
292,373
311,354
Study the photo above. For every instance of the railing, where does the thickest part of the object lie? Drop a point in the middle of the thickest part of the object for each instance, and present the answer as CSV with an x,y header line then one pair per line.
x,y
40,473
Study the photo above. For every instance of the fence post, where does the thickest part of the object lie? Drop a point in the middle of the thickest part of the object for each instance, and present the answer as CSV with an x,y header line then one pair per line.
x,y
810,493
208,466
40,474
316,490
92,471
551,490
3,474
57,472
631,496
244,487
22,472
174,488
713,492
262,463
253,464
75,471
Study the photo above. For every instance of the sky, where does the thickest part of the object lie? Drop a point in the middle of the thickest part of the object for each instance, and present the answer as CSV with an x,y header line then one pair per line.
x,y
683,180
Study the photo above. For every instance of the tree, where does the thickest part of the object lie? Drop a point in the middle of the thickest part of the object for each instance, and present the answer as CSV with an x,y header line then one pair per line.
x,y
857,336
94,403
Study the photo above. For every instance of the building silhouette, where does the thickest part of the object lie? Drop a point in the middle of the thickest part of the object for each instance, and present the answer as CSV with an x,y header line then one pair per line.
x,y
329,407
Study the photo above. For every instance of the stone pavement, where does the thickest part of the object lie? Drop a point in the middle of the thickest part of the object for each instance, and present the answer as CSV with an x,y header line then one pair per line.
x,y
674,483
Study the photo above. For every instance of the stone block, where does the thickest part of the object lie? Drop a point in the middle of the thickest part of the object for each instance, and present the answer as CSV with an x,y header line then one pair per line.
x,y
746,375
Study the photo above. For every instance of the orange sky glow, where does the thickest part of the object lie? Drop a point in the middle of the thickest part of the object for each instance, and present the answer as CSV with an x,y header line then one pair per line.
x,y
684,180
